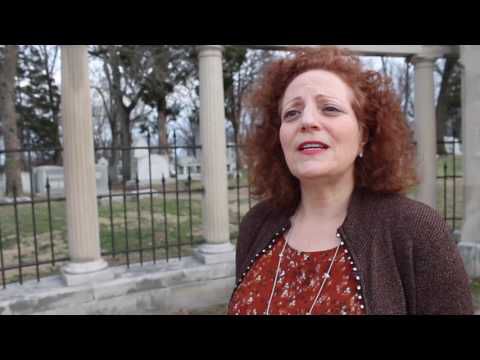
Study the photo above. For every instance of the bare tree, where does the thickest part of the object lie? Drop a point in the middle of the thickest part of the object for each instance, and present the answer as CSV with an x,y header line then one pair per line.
x,y
125,72
8,70
242,68
442,111
447,92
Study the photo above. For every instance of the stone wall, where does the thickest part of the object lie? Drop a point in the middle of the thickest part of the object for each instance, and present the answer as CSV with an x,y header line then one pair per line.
x,y
179,286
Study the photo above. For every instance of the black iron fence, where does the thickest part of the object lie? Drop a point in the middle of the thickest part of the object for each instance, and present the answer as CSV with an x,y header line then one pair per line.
x,y
151,221
22,253
139,221
450,202
146,221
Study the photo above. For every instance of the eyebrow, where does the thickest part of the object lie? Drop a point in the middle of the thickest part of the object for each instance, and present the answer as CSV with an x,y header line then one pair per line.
x,y
298,98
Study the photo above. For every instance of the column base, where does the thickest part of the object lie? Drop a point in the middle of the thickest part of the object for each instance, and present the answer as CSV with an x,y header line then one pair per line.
x,y
215,253
470,252
74,274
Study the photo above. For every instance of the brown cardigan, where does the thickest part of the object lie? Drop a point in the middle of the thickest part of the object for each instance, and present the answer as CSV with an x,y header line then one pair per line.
x,y
406,258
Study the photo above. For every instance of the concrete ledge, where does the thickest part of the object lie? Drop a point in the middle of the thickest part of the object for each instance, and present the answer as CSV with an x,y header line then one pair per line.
x,y
163,288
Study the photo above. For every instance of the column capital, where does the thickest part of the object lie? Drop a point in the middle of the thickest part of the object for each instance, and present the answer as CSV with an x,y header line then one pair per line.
x,y
209,50
424,59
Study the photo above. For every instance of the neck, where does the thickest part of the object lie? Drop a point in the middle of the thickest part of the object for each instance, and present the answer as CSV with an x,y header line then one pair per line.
x,y
325,199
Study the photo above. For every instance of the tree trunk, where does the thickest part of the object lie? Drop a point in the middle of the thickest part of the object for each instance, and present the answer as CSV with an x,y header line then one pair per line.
x,y
442,105
54,108
8,71
407,87
122,114
162,131
113,161
457,129
126,142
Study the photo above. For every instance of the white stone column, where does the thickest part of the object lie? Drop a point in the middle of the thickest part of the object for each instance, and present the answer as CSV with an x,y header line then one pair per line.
x,y
425,130
470,239
214,159
80,177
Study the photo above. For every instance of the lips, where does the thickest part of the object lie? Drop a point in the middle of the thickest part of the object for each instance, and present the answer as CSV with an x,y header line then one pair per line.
x,y
313,145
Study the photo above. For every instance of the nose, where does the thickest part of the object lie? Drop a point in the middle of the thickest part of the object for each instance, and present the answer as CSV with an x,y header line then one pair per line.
x,y
311,119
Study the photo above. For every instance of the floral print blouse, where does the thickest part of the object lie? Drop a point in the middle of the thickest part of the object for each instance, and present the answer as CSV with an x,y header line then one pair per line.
x,y
301,275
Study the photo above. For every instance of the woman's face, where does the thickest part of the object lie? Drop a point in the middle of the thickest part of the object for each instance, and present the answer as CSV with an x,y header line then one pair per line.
x,y
320,134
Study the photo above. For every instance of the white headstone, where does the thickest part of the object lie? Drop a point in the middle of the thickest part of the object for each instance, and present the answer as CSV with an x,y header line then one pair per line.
x,y
101,173
452,145
103,162
25,183
189,162
2,183
55,177
160,167
140,142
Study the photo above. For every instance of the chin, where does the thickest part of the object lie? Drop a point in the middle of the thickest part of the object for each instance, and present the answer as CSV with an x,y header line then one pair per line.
x,y
312,175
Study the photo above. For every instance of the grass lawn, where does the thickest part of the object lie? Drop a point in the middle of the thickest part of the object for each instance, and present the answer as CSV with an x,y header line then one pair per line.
x,y
142,224
475,286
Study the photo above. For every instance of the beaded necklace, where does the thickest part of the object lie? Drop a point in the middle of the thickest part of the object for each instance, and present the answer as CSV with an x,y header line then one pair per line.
x,y
326,275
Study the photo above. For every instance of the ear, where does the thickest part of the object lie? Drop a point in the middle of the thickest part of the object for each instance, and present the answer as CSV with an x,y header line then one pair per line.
x,y
364,135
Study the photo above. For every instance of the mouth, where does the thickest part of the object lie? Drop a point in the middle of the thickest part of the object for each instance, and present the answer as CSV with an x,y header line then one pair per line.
x,y
313,147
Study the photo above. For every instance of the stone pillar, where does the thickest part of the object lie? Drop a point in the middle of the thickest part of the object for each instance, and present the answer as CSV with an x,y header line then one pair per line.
x,y
80,180
425,130
470,239
214,162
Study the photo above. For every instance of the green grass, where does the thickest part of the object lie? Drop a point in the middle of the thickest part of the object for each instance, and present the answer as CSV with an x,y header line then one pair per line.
x,y
179,234
449,161
139,230
475,287
450,201
449,190
129,221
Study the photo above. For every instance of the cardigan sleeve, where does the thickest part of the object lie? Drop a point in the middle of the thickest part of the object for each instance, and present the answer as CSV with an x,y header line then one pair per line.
x,y
441,282
249,227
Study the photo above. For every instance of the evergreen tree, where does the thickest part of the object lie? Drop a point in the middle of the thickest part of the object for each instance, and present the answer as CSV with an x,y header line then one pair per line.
x,y
38,102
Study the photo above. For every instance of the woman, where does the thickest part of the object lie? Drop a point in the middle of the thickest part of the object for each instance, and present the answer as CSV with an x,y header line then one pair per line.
x,y
331,156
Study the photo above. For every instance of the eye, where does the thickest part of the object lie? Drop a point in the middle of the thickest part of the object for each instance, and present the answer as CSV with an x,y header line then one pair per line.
x,y
331,109
291,114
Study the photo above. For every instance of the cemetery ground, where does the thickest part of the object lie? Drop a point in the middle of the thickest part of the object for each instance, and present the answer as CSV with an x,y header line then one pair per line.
x,y
49,241
125,225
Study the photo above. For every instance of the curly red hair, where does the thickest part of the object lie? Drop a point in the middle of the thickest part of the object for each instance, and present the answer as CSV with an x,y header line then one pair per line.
x,y
388,165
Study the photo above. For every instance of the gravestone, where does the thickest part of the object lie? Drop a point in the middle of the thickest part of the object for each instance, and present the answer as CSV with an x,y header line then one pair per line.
x,y
185,163
160,166
56,178
101,173
25,183
102,162
452,145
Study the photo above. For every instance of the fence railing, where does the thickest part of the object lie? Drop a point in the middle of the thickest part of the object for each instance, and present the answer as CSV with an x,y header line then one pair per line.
x,y
146,221
450,184
150,221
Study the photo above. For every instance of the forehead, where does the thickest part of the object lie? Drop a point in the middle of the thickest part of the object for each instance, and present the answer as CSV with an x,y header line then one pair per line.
x,y
318,82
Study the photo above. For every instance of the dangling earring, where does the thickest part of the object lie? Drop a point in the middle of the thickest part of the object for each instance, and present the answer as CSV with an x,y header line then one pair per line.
x,y
361,155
